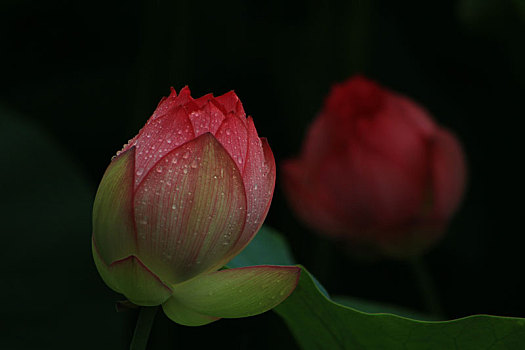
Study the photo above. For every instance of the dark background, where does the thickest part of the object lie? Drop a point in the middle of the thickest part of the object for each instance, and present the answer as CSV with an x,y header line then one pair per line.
x,y
78,79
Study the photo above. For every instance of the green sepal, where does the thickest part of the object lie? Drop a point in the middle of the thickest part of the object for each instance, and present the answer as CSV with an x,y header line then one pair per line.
x,y
181,314
132,278
234,293
113,223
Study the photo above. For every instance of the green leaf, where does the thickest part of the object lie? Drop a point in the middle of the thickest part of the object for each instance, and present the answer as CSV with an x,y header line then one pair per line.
x,y
374,307
232,293
267,248
320,323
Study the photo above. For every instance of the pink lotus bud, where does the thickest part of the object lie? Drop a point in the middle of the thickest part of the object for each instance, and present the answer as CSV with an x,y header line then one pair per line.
x,y
180,200
376,171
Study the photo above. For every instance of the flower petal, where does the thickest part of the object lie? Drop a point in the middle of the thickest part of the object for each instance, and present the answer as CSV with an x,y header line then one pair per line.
x,y
448,174
181,314
129,276
113,224
206,117
240,292
311,200
231,103
259,183
199,210
158,138
165,105
233,136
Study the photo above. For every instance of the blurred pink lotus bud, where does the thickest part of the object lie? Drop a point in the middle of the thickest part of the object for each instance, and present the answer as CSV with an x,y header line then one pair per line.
x,y
183,198
376,171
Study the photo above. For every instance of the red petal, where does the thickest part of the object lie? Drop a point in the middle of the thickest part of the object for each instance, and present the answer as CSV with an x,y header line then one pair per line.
x,y
203,100
206,118
449,174
311,202
232,104
160,137
259,183
165,105
234,138
189,210
374,191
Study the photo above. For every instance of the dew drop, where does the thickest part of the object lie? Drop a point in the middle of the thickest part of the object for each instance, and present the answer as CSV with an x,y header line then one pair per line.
x,y
185,170
140,172
186,155
174,206
194,164
159,170
228,132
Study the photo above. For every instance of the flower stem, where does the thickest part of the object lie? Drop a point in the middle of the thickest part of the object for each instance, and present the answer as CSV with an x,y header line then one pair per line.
x,y
427,288
143,327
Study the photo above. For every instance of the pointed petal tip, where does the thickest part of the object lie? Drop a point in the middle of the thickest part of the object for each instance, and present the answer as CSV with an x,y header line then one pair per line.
x,y
231,103
185,89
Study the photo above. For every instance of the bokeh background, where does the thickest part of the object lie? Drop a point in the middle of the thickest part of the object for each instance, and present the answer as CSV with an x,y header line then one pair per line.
x,y
78,79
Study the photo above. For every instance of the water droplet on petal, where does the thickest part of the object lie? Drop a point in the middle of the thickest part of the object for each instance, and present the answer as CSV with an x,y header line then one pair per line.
x,y
228,132
140,172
